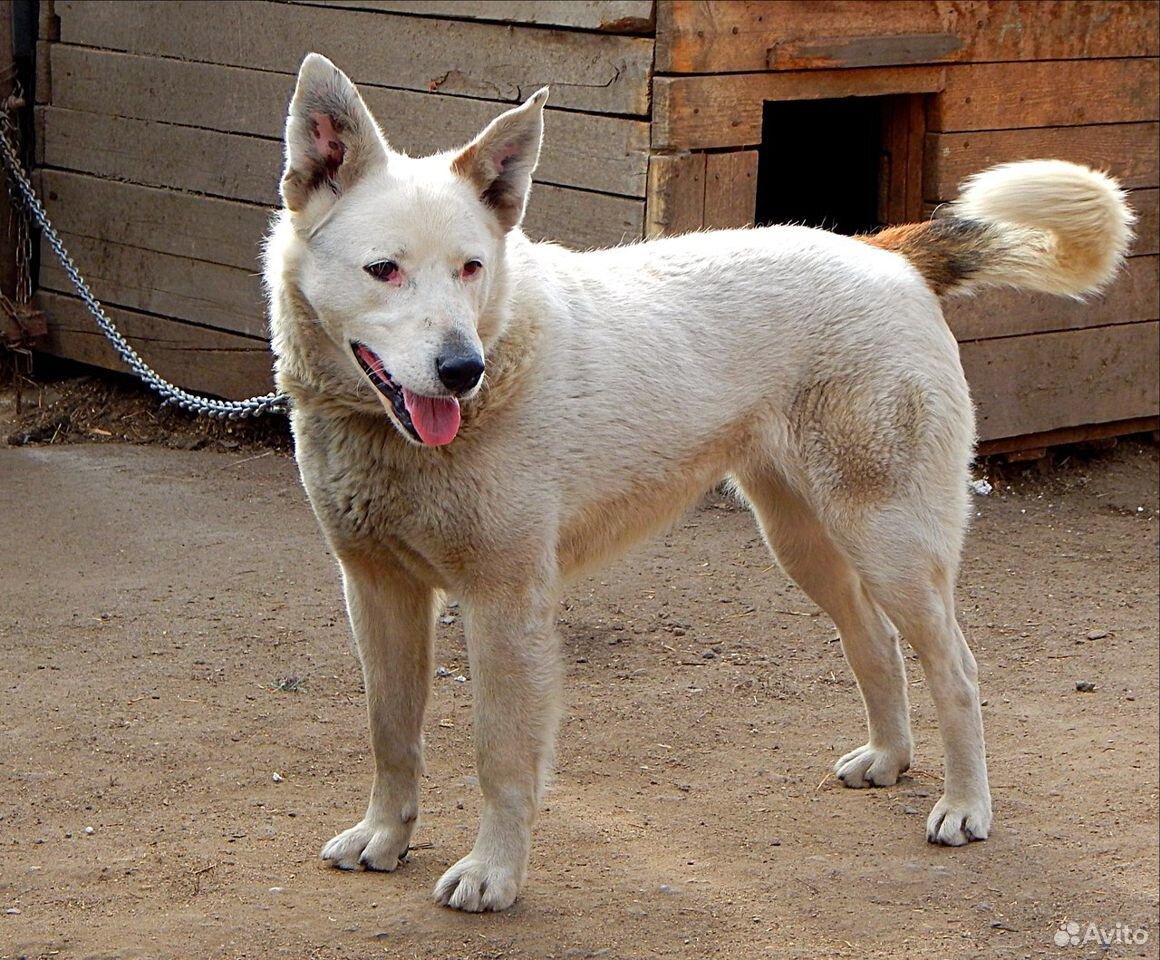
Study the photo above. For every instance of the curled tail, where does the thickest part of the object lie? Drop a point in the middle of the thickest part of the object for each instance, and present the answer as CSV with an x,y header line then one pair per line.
x,y
1045,225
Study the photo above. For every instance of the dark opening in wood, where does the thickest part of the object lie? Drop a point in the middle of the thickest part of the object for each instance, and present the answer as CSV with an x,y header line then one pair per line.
x,y
850,165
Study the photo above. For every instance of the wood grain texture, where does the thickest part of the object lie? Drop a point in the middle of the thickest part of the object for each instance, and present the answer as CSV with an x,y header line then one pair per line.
x,y
195,291
47,22
676,194
995,313
902,163
583,220
47,33
1049,381
112,83
730,189
1146,204
693,113
595,72
162,155
8,246
704,36
605,16
1032,446
43,72
180,224
998,96
590,151
1128,151
222,364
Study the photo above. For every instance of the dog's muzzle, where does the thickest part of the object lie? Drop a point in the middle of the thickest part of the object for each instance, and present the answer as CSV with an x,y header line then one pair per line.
x,y
431,421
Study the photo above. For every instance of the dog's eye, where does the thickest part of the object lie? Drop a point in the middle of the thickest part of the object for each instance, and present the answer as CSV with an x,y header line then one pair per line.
x,y
385,270
470,269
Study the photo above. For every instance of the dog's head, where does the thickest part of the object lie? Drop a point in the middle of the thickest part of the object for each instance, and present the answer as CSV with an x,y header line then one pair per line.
x,y
402,259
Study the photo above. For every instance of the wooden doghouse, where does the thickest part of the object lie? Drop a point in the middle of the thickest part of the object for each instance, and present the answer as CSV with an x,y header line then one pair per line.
x,y
158,152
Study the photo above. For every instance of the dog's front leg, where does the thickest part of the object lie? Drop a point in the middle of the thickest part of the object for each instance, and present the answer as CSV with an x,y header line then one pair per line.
x,y
515,674
393,620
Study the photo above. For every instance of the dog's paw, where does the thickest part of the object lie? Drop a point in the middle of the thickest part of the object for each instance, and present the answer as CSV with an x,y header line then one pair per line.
x,y
475,885
954,824
872,767
368,846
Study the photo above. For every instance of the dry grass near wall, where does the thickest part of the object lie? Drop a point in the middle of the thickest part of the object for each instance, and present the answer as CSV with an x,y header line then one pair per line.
x,y
47,401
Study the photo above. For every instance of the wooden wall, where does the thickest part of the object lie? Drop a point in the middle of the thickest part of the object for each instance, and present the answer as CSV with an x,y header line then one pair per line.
x,y
159,134
990,81
10,330
159,125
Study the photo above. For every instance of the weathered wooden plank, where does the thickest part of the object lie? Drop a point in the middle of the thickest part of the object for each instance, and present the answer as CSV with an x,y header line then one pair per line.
x,y
583,220
206,95
43,71
1126,150
180,224
1048,381
1132,297
997,96
593,152
730,189
1146,203
676,194
605,73
10,331
749,35
725,111
1035,445
162,155
47,22
207,294
47,33
606,16
901,165
208,361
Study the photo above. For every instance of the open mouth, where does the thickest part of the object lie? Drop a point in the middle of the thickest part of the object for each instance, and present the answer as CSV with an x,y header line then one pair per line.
x,y
433,421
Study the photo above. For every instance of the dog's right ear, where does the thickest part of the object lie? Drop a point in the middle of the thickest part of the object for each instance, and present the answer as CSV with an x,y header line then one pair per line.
x,y
331,138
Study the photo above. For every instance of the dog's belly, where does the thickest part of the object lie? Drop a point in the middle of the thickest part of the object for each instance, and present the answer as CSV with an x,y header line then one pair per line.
x,y
608,528
603,519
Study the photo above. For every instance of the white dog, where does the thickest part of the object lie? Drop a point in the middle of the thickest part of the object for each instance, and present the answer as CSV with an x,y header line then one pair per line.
x,y
479,415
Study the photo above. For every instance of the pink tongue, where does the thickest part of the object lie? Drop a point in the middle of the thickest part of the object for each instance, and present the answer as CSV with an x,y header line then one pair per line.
x,y
436,419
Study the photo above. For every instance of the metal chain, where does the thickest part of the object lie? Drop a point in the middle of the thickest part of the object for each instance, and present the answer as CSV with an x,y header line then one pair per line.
x,y
171,394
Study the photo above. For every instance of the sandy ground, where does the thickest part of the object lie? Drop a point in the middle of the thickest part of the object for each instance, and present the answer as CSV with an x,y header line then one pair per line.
x,y
183,727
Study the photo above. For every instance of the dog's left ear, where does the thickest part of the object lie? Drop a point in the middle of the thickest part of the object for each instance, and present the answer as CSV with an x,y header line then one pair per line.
x,y
499,162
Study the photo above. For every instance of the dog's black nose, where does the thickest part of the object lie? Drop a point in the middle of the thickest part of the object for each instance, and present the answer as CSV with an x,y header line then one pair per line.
x,y
459,373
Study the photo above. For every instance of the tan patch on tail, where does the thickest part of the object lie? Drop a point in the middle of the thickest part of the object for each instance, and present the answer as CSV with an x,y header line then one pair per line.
x,y
946,252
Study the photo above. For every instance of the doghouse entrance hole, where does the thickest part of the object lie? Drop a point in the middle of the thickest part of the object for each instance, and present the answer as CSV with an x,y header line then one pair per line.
x,y
826,163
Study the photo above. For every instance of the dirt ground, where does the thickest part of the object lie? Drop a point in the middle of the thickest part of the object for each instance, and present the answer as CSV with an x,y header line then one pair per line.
x,y
183,727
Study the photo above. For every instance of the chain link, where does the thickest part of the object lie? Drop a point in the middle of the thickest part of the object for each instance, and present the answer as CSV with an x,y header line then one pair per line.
x,y
171,394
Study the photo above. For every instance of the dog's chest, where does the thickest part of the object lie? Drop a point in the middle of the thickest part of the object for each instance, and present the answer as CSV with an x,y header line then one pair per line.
x,y
373,494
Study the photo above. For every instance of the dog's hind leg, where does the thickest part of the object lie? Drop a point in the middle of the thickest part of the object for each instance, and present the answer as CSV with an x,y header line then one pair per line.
x,y
393,619
515,677
916,590
809,555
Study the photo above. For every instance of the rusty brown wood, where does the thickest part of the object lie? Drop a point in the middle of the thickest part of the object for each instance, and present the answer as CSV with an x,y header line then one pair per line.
x,y
739,36
676,194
